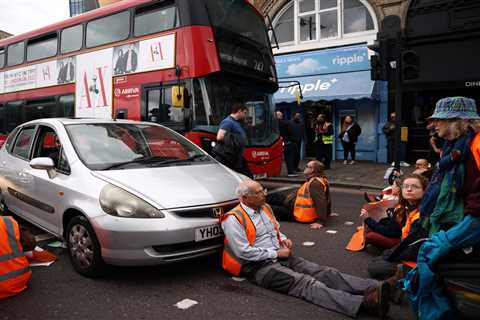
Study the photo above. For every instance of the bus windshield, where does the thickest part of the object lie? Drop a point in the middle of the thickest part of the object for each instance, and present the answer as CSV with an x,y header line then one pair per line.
x,y
220,91
238,17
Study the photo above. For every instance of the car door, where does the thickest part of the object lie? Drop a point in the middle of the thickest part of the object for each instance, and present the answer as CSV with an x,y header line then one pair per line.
x,y
17,181
47,191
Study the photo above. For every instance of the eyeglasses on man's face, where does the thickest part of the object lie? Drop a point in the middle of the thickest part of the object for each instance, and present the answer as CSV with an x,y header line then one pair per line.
x,y
263,191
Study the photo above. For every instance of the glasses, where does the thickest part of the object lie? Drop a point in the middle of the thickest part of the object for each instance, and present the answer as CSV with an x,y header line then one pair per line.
x,y
411,186
264,191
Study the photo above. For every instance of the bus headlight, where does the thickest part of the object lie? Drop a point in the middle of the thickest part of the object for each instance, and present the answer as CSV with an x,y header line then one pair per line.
x,y
118,202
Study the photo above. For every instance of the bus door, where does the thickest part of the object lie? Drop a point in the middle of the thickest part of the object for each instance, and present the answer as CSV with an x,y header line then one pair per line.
x,y
167,105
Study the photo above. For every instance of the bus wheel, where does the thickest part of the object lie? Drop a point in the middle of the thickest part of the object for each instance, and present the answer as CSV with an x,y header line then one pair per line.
x,y
84,249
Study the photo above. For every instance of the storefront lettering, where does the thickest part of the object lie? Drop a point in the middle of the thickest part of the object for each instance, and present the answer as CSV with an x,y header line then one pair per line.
x,y
339,60
319,85
470,84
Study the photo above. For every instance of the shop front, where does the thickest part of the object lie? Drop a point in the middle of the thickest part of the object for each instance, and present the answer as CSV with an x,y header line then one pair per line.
x,y
336,82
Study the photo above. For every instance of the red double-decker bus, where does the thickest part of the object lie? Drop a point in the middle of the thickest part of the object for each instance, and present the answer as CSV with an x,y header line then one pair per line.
x,y
180,63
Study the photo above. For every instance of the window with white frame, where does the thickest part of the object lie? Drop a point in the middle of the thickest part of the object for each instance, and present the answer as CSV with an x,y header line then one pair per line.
x,y
304,21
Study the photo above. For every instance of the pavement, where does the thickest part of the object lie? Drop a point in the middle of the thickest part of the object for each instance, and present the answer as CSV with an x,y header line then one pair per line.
x,y
361,175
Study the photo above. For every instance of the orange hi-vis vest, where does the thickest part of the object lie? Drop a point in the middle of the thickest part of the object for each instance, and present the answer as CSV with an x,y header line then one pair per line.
x,y
231,263
412,217
304,210
14,266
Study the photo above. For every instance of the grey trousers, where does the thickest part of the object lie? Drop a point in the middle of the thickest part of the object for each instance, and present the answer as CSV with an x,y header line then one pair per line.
x,y
324,286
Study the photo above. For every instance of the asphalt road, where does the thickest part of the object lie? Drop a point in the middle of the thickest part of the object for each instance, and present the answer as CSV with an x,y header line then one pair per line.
x,y
57,292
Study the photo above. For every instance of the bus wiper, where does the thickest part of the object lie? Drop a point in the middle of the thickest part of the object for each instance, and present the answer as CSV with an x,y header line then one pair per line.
x,y
142,160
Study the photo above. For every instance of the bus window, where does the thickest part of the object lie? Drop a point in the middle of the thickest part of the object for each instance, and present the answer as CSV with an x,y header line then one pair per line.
x,y
71,39
109,29
16,53
43,47
41,108
67,106
2,57
14,114
155,18
159,108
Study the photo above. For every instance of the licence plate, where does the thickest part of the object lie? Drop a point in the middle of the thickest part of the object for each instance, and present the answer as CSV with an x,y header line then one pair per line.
x,y
208,232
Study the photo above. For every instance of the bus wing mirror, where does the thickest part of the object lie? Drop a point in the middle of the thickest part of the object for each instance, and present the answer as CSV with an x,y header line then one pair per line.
x,y
178,96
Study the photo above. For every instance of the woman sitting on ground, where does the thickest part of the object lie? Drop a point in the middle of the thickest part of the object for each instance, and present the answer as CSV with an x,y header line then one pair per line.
x,y
407,215
389,231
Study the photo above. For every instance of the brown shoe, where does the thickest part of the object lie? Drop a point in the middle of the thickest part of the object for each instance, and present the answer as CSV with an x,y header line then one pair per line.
x,y
375,300
396,294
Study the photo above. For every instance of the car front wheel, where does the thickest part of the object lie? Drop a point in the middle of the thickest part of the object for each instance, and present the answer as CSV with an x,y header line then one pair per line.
x,y
84,249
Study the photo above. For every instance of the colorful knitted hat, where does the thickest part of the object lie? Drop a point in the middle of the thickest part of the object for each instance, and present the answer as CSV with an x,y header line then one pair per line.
x,y
455,108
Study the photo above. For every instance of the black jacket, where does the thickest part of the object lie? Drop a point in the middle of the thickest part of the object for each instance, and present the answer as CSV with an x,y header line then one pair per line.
x,y
353,133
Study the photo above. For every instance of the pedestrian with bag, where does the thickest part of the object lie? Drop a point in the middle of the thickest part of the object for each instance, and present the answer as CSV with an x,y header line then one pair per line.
x,y
348,136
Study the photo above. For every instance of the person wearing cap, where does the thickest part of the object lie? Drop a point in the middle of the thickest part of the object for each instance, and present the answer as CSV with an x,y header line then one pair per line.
x,y
450,208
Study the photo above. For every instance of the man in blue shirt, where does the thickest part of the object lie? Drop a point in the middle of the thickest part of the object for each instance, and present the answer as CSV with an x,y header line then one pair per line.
x,y
232,139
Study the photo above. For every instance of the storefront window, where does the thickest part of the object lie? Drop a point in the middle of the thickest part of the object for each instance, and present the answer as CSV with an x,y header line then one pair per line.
x,y
317,20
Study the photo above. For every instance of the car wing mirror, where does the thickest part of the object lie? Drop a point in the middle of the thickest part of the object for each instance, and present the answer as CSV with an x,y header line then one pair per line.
x,y
44,163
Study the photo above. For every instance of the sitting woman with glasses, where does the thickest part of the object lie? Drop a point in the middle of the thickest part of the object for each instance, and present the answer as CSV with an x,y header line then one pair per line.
x,y
404,225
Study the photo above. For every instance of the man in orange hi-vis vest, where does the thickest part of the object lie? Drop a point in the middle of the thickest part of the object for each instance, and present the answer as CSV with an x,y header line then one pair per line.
x,y
311,203
255,248
14,266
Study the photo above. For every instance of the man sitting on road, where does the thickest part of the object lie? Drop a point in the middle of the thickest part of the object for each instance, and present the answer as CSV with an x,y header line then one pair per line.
x,y
255,248
308,204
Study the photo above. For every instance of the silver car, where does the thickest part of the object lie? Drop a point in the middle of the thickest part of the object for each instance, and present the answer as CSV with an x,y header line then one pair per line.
x,y
118,192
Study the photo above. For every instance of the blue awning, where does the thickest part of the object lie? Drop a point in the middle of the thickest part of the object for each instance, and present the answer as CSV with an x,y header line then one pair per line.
x,y
336,86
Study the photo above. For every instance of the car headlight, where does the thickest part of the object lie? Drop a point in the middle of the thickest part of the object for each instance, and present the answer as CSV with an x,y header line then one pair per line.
x,y
118,202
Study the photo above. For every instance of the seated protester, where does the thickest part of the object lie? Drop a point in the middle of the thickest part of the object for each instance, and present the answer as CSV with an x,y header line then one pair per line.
x,y
14,266
308,204
450,209
423,167
402,224
256,249
389,231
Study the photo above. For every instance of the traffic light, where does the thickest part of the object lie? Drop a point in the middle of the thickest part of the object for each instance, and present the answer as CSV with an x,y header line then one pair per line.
x,y
378,62
410,65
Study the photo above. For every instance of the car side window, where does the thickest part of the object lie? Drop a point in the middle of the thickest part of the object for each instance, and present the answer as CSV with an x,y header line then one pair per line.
x,y
24,142
48,145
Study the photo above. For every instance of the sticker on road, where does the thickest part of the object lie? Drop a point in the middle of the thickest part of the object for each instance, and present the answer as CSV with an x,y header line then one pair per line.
x,y
332,231
238,279
185,304
334,214
308,244
349,223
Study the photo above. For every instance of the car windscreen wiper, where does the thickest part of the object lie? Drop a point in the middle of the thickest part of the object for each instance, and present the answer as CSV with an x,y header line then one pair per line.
x,y
143,160
200,157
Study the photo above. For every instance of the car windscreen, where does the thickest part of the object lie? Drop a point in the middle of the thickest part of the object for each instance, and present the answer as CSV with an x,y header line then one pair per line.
x,y
105,146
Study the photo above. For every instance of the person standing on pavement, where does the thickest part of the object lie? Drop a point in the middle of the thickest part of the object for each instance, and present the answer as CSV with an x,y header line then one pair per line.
x,y
255,248
311,203
389,132
289,148
349,136
298,132
324,140
232,139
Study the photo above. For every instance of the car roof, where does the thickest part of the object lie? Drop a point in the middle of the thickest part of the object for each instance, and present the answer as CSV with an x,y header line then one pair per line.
x,y
68,121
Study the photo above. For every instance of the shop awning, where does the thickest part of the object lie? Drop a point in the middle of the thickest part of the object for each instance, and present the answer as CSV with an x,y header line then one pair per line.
x,y
336,86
